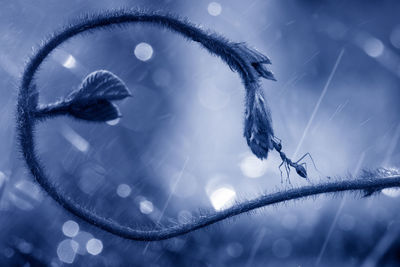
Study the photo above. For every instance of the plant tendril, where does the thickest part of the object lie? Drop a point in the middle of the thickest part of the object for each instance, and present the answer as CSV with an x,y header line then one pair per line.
x,y
248,63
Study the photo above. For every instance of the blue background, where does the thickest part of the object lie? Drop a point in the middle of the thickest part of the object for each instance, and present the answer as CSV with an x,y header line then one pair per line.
x,y
180,144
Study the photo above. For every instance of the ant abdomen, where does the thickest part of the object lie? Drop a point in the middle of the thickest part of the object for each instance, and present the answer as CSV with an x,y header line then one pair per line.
x,y
301,171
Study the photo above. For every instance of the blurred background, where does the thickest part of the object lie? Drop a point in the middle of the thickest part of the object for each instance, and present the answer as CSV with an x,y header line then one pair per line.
x,y
179,146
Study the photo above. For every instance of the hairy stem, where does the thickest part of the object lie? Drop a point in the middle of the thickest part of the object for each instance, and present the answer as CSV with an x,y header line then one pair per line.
x,y
51,110
235,56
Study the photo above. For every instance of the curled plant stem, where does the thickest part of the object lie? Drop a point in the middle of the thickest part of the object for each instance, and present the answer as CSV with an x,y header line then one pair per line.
x,y
258,128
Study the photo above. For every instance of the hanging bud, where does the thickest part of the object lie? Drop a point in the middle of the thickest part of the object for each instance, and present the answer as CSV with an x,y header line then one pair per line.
x,y
256,60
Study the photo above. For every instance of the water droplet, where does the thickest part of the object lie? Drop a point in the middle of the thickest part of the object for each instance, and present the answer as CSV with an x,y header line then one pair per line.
x,y
70,228
146,207
124,190
94,246
25,247
253,167
234,249
391,192
373,47
222,198
66,250
214,9
113,122
213,98
70,62
143,51
282,248
8,252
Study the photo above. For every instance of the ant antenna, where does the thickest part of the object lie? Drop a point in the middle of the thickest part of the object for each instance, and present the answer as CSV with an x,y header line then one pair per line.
x,y
312,160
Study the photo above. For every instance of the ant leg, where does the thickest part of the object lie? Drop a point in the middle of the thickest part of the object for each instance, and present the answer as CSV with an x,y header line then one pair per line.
x,y
281,171
302,157
287,167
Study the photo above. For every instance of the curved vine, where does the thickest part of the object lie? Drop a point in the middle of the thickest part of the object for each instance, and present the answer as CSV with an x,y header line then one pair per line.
x,y
248,63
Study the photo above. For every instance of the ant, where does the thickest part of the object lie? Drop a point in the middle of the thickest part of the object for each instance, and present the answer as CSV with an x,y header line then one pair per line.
x,y
301,168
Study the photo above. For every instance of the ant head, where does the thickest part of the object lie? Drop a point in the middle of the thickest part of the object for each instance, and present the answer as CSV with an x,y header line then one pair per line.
x,y
278,146
301,171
